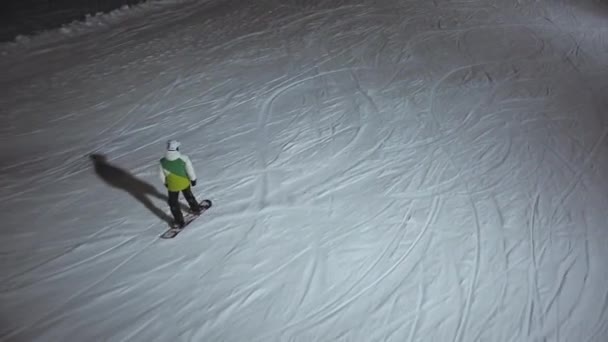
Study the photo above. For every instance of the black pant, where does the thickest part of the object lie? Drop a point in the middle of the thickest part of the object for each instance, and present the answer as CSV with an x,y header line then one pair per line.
x,y
174,203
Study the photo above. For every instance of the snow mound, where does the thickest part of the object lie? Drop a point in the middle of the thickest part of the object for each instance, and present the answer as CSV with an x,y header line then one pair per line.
x,y
91,23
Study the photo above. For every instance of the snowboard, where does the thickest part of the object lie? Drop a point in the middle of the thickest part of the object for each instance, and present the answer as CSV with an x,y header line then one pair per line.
x,y
188,218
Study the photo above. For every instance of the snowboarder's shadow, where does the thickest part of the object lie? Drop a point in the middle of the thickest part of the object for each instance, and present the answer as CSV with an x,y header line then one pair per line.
x,y
139,189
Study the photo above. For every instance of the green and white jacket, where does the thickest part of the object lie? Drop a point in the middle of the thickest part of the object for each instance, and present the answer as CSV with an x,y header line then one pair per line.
x,y
176,171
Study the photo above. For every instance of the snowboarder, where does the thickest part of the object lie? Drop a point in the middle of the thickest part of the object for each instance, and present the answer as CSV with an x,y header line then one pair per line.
x,y
177,173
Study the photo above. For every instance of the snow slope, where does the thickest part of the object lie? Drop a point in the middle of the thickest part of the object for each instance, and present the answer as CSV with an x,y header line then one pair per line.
x,y
380,171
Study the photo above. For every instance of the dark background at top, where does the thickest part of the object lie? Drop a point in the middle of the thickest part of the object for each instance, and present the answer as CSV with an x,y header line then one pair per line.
x,y
26,17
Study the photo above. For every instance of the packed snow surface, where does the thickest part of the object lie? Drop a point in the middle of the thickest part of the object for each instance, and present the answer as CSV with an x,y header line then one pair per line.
x,y
380,171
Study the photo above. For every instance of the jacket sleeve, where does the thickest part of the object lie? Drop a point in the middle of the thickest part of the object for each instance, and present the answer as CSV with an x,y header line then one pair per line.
x,y
163,177
189,168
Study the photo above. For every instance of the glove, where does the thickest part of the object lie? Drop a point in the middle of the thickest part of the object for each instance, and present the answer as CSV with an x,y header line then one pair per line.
x,y
193,182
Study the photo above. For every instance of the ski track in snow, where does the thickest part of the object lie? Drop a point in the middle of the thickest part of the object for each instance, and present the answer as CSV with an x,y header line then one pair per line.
x,y
380,171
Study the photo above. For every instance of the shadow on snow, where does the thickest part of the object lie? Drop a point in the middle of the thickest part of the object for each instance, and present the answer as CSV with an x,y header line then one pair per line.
x,y
123,180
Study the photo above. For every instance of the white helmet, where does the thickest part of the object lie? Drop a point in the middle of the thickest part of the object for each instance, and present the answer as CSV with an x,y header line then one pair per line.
x,y
173,145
